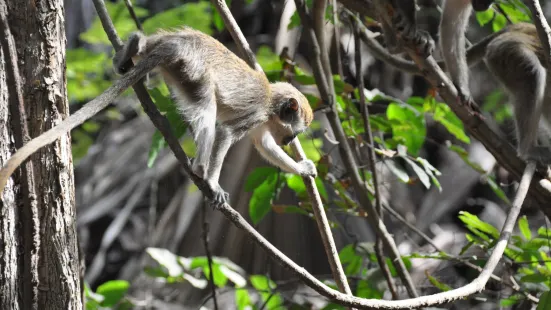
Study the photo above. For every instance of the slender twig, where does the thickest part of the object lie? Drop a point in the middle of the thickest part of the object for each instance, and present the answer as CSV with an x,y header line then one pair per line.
x,y
130,9
317,205
379,248
347,156
205,236
542,27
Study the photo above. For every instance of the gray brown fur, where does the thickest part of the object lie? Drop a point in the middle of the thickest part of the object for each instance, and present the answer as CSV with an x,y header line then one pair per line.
x,y
222,99
516,59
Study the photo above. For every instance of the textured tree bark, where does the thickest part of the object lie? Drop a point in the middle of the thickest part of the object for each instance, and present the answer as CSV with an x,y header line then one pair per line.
x,y
39,257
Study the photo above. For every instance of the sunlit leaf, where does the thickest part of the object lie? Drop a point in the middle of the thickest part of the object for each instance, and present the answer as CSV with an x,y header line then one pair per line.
x,y
113,291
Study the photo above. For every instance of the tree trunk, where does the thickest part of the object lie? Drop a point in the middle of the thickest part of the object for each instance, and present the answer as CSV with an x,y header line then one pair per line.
x,y
39,257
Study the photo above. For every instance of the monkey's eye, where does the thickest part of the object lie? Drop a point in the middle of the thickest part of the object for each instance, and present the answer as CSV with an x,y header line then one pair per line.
x,y
288,110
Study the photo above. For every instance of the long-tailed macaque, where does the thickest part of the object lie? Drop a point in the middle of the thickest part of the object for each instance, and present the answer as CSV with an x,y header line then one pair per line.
x,y
210,84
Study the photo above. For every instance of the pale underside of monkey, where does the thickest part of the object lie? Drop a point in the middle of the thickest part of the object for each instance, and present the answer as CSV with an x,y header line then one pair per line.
x,y
513,55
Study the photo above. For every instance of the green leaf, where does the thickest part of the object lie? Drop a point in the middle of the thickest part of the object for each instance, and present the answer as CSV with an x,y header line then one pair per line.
x,y
499,23
193,14
261,200
86,74
431,171
157,144
524,228
267,289
408,126
166,260
474,224
445,116
295,21
268,60
367,289
510,301
351,260
534,278
419,171
219,278
233,276
484,17
397,171
441,286
497,189
262,283
295,183
258,176
121,19
242,299
113,291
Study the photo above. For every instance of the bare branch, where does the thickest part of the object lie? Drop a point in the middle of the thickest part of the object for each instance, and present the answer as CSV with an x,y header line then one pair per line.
x,y
544,31
130,9
205,236
328,96
379,249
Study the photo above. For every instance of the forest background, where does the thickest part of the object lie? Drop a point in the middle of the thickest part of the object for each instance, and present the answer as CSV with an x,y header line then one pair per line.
x,y
149,240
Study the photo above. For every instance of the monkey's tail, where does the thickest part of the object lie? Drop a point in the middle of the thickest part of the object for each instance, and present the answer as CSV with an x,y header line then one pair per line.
x,y
86,112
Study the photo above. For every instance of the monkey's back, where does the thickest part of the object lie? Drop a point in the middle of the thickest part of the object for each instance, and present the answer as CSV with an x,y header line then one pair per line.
x,y
515,42
237,86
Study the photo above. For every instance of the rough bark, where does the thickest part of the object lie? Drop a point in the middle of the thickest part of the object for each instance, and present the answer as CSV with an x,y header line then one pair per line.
x,y
40,267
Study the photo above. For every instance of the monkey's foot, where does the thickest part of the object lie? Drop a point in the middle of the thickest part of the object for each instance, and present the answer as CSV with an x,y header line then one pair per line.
x,y
199,169
466,99
220,198
424,44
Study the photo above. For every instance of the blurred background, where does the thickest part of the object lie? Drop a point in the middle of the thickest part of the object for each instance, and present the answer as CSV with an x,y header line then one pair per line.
x,y
133,195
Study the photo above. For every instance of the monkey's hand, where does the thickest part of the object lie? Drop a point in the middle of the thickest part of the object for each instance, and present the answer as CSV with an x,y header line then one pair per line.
x,y
422,40
220,196
307,168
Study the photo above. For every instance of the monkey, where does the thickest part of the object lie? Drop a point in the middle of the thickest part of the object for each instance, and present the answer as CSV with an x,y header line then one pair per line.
x,y
216,93
404,24
452,28
515,57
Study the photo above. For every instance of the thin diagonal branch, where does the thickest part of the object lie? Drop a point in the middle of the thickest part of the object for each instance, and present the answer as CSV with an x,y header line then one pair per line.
x,y
379,247
205,236
328,96
317,205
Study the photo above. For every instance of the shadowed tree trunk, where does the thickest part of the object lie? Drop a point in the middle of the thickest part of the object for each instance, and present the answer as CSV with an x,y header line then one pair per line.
x,y
39,257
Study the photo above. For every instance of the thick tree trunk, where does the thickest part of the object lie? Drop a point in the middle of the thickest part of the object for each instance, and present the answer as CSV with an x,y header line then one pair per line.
x,y
39,257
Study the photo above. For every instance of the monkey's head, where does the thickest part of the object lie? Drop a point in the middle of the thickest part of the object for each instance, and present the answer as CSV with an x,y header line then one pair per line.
x,y
292,113
481,5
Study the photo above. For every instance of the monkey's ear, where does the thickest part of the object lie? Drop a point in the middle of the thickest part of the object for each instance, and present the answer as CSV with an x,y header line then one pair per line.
x,y
293,104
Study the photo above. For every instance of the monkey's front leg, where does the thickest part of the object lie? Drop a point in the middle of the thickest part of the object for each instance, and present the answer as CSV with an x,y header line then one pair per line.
x,y
268,148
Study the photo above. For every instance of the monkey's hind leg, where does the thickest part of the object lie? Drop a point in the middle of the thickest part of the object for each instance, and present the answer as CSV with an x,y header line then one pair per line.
x,y
222,143
135,46
203,126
